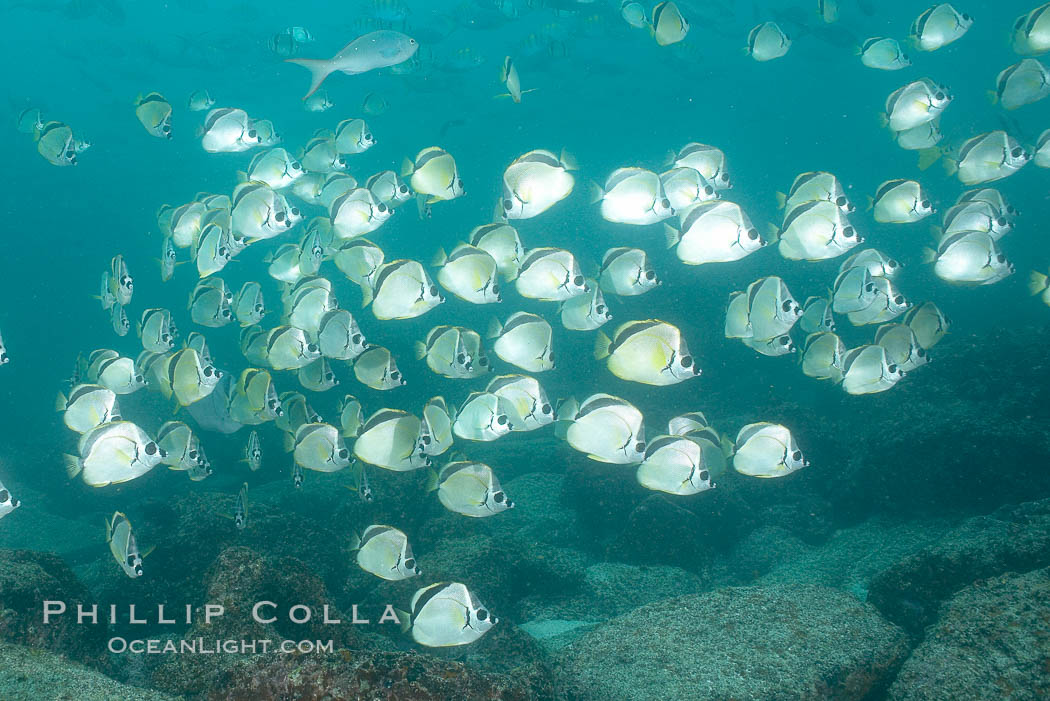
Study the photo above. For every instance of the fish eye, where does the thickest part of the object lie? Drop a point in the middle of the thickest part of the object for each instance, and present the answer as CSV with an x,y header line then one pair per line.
x,y
639,447
395,375
433,291
786,306
482,614
410,564
1001,221
403,189
840,201
297,165
600,309
459,183
166,129
279,216
207,371
939,96
708,190
151,448
311,348
192,455
666,203
368,137
426,440
849,232
222,251
328,376
501,420
870,287
226,313
139,379
1016,153
295,211
1001,258
752,234
687,361
550,357
546,408
899,299
892,369
356,339
650,275
259,308
498,497
495,289
797,456
507,204
925,204
461,359
966,17
343,453
578,281
252,134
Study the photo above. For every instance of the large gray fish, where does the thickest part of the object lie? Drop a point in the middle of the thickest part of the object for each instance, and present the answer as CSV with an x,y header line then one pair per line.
x,y
365,53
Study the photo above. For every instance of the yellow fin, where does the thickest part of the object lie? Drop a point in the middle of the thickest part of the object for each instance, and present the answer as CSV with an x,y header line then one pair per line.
x,y
929,156
781,200
928,255
73,465
601,346
1037,282
407,167
421,350
671,235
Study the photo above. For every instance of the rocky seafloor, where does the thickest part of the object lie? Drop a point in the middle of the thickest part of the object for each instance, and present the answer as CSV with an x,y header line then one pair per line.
x,y
900,566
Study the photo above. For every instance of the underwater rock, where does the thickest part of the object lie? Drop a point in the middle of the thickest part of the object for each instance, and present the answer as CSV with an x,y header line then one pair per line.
x,y
992,641
949,426
847,560
1013,539
404,676
189,532
33,674
27,579
610,589
238,579
800,642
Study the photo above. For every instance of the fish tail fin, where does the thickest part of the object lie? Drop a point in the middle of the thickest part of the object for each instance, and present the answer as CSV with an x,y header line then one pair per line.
x,y
355,539
319,70
884,120
928,255
671,235
773,231
495,328
407,167
601,346
404,619
421,350
727,446
366,293
73,465
858,50
288,442
512,275
568,160
1037,282
242,177
781,200
439,259
993,97
929,156
432,480
595,192
936,232
951,166
61,401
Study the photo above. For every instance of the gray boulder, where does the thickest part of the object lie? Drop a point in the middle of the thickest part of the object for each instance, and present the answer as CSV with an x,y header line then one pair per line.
x,y
771,643
992,641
